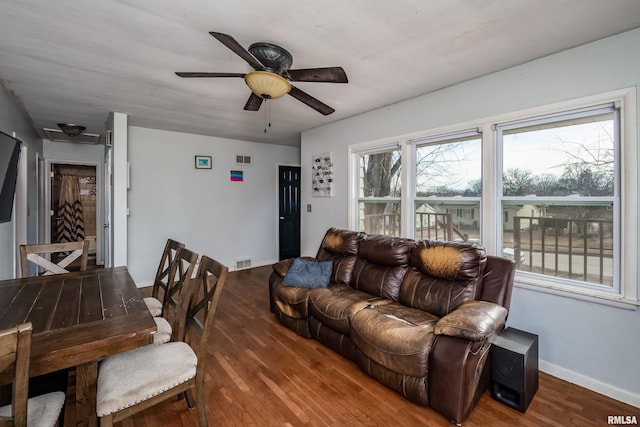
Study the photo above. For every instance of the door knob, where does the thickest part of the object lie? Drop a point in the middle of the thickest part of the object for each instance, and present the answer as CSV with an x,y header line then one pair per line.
x,y
281,217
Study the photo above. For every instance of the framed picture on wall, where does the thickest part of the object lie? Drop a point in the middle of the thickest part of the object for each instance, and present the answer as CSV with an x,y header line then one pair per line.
x,y
203,162
322,175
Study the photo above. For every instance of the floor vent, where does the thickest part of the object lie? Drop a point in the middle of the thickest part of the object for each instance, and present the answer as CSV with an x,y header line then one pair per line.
x,y
242,159
243,263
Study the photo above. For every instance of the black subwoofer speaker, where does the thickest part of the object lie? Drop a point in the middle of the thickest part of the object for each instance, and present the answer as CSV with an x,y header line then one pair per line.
x,y
514,368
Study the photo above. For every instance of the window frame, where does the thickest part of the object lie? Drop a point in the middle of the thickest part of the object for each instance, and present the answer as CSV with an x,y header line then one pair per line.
x,y
615,199
627,295
442,139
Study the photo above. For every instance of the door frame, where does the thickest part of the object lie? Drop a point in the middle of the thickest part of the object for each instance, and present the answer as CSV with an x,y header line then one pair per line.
x,y
48,165
277,213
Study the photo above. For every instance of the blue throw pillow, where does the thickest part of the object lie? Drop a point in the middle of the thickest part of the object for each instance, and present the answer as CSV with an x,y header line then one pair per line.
x,y
308,274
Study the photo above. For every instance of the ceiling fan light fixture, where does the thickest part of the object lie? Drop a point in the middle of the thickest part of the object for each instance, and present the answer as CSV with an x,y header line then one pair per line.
x,y
267,85
71,129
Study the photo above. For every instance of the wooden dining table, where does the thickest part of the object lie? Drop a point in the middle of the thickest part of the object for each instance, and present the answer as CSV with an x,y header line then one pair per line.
x,y
78,318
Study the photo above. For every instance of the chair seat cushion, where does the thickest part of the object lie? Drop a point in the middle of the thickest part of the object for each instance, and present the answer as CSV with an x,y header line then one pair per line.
x,y
129,378
334,306
163,334
154,305
396,337
42,411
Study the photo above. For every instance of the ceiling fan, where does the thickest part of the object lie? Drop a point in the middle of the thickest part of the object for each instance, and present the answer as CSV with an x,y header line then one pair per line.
x,y
272,73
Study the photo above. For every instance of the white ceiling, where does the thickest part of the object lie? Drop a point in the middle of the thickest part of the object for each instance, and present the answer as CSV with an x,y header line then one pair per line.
x,y
76,61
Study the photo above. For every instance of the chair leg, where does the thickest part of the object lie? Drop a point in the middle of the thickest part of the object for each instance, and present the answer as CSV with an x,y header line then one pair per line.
x,y
191,402
201,406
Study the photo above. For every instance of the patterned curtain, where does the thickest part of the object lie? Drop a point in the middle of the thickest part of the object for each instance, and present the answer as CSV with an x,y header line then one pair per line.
x,y
70,223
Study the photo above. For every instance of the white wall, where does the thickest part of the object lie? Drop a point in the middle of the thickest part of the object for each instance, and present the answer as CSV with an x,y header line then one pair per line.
x,y
169,198
593,345
13,120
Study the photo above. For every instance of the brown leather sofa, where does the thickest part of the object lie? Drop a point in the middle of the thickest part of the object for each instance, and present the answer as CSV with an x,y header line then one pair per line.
x,y
418,316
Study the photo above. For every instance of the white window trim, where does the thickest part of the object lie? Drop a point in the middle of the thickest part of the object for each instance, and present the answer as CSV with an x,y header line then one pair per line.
x,y
628,296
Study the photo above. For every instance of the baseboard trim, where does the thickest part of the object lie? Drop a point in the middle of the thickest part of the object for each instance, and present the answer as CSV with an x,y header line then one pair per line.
x,y
592,384
144,284
259,264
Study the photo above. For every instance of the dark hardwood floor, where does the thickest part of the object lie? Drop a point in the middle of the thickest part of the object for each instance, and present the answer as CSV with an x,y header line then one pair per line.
x,y
262,374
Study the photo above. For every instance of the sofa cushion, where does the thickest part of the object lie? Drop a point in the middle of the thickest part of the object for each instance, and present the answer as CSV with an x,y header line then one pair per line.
x,y
396,337
386,250
378,280
341,242
341,247
292,301
381,265
449,260
336,305
308,274
443,276
342,266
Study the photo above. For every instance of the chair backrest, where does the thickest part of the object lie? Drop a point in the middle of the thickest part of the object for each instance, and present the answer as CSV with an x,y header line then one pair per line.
x,y
203,304
162,275
70,251
178,290
15,348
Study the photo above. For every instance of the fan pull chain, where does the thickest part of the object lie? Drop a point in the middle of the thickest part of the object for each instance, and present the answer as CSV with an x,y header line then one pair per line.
x,y
267,115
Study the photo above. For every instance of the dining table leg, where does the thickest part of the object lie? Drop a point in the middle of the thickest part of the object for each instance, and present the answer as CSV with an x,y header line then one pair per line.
x,y
86,389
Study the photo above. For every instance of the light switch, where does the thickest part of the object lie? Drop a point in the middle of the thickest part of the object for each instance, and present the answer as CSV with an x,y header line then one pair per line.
x,y
308,208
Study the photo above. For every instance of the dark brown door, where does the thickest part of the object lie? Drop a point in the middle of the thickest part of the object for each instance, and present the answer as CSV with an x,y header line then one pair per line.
x,y
289,211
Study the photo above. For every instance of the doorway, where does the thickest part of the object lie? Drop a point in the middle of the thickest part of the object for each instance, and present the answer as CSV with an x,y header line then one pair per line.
x,y
74,205
289,211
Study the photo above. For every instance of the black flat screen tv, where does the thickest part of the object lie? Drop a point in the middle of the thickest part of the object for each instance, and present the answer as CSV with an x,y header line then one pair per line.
x,y
9,157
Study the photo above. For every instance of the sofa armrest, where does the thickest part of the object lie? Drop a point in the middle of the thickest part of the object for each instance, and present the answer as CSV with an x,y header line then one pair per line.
x,y
282,267
474,321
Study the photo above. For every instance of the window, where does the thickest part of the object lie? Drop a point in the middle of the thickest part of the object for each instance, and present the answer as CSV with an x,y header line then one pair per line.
x,y
379,191
448,187
559,195
554,188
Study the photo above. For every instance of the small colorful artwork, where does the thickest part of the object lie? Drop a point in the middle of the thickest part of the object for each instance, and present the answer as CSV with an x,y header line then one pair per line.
x,y
203,162
322,175
237,176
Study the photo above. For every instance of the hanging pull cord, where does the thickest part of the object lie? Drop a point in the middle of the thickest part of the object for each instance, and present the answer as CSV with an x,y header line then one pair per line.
x,y
267,115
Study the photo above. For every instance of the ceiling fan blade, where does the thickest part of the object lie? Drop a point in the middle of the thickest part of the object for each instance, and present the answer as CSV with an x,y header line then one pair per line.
x,y
253,103
327,75
237,48
311,101
197,74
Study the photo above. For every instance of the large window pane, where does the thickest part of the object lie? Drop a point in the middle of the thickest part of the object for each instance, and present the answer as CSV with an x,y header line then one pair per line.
x,y
449,168
380,217
566,158
572,241
448,177
379,192
559,196
448,220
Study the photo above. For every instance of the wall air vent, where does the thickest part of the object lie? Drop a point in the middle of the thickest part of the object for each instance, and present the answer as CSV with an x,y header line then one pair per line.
x,y
83,138
243,159
243,263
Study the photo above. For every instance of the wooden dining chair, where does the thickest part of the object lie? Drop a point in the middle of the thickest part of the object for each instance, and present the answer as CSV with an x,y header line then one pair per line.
x,y
177,290
139,379
43,410
155,301
70,251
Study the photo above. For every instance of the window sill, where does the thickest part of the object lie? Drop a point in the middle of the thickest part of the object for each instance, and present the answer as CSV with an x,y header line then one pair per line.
x,y
611,300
